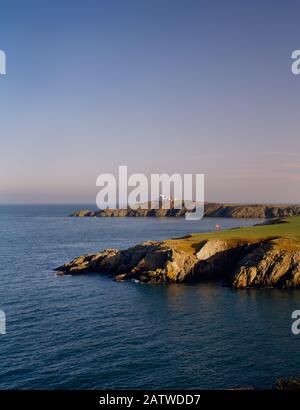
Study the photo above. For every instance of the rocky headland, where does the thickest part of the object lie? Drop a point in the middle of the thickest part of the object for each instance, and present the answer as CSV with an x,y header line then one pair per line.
x,y
210,210
266,255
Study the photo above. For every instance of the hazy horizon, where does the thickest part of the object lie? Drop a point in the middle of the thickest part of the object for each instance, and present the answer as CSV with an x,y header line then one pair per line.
x,y
94,205
159,86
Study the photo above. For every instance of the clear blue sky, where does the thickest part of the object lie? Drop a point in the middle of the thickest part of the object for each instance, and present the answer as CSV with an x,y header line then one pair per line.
x,y
158,85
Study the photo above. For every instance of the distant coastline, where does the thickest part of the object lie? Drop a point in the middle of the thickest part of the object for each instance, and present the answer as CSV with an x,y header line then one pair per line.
x,y
215,210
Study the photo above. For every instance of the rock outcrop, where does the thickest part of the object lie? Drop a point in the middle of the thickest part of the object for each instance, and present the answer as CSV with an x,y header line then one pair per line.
x,y
210,210
240,264
268,265
152,262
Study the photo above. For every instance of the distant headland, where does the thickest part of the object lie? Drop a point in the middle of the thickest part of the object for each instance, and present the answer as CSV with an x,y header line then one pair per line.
x,y
216,210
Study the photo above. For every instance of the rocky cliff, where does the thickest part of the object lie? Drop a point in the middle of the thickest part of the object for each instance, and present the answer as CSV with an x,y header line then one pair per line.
x,y
238,263
210,210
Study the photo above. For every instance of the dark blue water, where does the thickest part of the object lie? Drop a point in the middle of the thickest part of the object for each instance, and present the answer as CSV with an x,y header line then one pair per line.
x,y
89,332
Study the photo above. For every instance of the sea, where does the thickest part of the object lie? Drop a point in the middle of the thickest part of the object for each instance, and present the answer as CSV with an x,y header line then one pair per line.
x,y
90,332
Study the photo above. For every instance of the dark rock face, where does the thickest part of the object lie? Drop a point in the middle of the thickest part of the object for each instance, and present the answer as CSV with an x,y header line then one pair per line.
x,y
239,264
217,258
210,210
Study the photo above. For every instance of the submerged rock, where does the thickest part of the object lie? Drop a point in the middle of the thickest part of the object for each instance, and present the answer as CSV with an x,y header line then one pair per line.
x,y
291,383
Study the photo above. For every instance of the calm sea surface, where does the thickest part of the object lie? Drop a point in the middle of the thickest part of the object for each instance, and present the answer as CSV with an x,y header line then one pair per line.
x,y
90,332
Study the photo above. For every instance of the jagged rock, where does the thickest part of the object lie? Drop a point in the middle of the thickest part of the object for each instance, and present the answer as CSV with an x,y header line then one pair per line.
x,y
148,262
268,263
89,262
268,266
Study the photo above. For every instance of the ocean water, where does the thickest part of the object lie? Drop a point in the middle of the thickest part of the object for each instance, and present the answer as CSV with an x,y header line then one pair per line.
x,y
89,332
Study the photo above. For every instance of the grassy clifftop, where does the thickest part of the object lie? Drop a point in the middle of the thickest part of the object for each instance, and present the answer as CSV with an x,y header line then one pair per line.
x,y
284,231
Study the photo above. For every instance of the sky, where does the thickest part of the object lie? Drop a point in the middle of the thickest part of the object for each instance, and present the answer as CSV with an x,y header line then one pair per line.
x,y
157,85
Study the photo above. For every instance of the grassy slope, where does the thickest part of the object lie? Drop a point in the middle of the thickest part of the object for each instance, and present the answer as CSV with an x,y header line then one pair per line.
x,y
287,235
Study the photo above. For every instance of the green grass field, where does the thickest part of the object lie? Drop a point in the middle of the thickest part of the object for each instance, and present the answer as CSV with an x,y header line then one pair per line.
x,y
287,233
